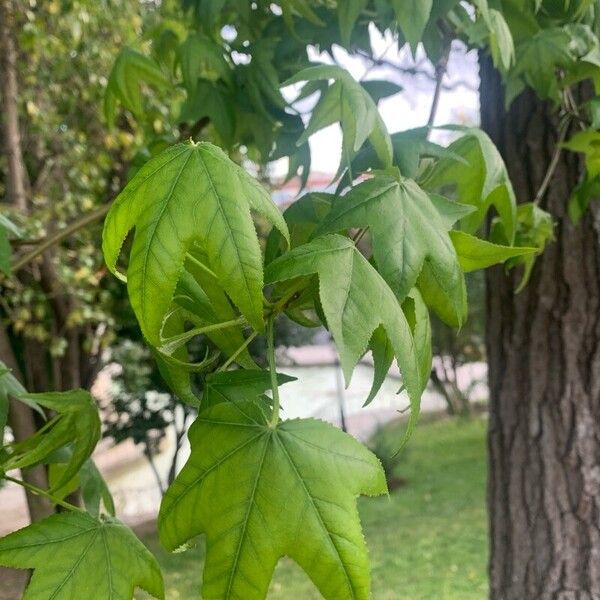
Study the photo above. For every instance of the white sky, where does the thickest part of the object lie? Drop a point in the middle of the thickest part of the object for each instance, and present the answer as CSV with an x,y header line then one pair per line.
x,y
406,110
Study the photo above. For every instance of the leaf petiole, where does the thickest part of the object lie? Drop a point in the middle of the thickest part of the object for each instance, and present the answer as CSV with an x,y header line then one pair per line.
x,y
273,372
40,492
232,358
171,344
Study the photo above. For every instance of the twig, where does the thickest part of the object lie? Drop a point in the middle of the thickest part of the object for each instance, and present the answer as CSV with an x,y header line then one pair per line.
x,y
554,161
440,71
80,223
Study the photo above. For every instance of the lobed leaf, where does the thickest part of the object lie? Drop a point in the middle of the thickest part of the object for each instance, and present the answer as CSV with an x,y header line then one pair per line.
x,y
189,194
260,493
406,230
355,302
75,555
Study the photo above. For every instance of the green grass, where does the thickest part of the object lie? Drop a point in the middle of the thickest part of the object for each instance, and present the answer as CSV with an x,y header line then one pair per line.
x,y
427,541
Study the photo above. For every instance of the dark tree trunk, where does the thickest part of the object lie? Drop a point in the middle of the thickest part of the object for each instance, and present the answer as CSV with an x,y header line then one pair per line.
x,y
544,374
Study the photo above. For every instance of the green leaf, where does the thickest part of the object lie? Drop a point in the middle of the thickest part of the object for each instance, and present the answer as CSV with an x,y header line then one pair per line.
x,y
412,17
214,101
238,386
475,253
76,423
88,480
406,230
130,70
481,181
302,218
347,102
538,57
6,227
355,300
202,58
190,193
588,143
75,555
5,252
260,493
348,12
535,229
409,147
9,386
586,191
381,88
501,41
205,303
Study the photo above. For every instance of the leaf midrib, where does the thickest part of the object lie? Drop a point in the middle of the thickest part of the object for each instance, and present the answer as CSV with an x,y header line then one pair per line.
x,y
277,435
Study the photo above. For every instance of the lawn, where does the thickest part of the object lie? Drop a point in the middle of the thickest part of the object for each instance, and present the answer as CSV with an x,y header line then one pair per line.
x,y
427,541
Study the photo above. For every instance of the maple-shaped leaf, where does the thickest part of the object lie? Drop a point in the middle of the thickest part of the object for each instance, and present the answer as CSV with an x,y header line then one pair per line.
x,y
347,102
260,493
355,300
406,230
190,193
200,57
130,70
76,423
75,555
480,180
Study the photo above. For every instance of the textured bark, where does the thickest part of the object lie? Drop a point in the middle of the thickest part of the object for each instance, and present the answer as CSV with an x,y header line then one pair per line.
x,y
544,373
16,189
22,422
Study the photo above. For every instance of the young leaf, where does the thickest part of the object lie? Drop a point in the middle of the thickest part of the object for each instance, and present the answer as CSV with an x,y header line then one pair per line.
x,y
475,253
540,55
406,229
260,493
412,17
237,386
189,193
130,70
201,57
347,102
77,556
77,423
355,301
481,181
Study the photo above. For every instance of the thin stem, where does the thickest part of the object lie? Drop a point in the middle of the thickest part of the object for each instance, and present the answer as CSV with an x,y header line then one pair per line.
x,y
232,358
273,372
84,221
171,344
440,71
40,492
562,134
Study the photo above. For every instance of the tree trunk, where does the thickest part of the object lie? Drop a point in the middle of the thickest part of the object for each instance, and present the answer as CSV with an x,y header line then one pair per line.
x,y
8,83
544,373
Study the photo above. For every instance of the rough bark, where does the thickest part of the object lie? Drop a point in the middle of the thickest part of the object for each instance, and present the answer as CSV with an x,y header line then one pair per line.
x,y
21,417
22,422
544,374
16,189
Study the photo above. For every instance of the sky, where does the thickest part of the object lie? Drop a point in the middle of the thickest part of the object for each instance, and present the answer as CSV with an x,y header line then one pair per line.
x,y
459,102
